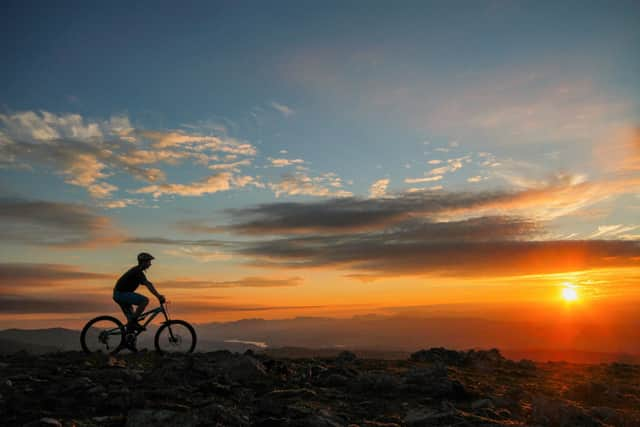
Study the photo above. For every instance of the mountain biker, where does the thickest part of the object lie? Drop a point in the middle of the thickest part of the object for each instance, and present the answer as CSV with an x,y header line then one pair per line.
x,y
124,291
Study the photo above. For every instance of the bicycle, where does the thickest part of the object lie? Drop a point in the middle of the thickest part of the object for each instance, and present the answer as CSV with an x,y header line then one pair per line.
x,y
107,334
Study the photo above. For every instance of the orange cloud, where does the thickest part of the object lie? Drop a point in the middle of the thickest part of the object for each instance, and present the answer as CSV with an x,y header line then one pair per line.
x,y
621,152
59,224
198,142
246,282
212,184
302,184
22,276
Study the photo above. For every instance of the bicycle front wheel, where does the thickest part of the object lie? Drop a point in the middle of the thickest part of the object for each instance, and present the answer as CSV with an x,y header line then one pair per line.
x,y
103,334
175,336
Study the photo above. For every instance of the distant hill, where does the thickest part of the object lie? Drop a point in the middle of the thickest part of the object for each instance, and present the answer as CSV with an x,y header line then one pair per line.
x,y
383,337
574,356
542,341
39,340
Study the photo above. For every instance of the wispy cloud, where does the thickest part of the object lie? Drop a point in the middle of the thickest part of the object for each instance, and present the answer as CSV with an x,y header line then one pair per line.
x,y
561,195
619,152
100,304
118,204
29,275
452,166
379,188
246,282
279,163
199,143
235,166
40,222
285,110
199,253
23,304
88,152
301,184
476,178
426,232
212,184
612,230
483,247
424,179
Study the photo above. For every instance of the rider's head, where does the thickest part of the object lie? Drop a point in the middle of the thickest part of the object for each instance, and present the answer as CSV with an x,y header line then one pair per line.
x,y
144,259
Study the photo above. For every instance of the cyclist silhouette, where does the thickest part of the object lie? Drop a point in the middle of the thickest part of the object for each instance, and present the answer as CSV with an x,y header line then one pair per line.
x,y
124,291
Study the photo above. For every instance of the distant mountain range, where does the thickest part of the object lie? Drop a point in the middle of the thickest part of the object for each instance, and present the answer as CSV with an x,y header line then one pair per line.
x,y
387,337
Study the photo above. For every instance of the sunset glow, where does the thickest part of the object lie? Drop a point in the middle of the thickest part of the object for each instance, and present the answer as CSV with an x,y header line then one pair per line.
x,y
325,160
569,294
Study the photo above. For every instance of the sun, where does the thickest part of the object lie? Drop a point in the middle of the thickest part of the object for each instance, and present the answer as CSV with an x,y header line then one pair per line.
x,y
569,293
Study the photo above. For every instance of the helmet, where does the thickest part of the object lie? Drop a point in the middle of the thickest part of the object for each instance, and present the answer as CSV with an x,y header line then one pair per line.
x,y
143,256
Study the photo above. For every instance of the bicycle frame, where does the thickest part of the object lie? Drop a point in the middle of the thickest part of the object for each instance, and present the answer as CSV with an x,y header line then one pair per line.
x,y
153,313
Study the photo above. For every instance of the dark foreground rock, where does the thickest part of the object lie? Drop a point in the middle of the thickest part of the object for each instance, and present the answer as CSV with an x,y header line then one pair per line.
x,y
436,387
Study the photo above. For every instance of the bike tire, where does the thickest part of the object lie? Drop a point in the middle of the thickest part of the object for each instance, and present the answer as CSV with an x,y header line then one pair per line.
x,y
117,324
166,327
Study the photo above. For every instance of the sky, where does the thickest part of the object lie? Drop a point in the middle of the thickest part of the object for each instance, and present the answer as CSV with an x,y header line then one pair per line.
x,y
334,159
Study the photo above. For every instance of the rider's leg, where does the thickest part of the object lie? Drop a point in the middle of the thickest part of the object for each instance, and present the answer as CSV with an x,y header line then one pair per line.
x,y
127,309
142,304
126,300
124,304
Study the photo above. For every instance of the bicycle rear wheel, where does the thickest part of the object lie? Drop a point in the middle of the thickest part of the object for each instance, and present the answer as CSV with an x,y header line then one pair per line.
x,y
103,334
175,336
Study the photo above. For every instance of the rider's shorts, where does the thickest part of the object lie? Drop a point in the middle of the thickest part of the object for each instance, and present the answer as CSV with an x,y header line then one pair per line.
x,y
129,298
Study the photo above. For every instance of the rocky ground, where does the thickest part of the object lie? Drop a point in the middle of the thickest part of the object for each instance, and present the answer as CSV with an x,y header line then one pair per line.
x,y
434,387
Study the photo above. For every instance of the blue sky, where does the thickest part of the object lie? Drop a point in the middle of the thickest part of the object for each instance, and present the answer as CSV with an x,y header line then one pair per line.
x,y
141,118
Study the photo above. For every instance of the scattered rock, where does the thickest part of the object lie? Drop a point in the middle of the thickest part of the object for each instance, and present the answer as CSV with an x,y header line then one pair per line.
x,y
376,382
440,354
115,362
607,415
458,358
44,422
367,423
334,380
300,393
562,414
424,417
527,365
481,404
591,392
442,387
155,417
243,369
346,357
434,381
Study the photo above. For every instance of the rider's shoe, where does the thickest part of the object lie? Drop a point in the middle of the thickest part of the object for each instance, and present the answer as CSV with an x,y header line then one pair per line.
x,y
135,327
130,342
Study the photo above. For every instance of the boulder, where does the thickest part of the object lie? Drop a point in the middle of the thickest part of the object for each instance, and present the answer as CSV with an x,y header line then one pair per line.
x,y
557,413
439,354
376,382
159,417
346,357
482,404
434,381
44,422
243,369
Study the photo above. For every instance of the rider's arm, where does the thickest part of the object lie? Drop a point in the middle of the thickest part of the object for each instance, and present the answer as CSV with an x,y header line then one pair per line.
x,y
152,289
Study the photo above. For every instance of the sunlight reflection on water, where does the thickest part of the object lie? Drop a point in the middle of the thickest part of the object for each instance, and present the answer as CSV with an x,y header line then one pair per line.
x,y
256,343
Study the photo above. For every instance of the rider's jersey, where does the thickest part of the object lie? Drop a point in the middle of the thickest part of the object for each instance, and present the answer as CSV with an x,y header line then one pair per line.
x,y
130,280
